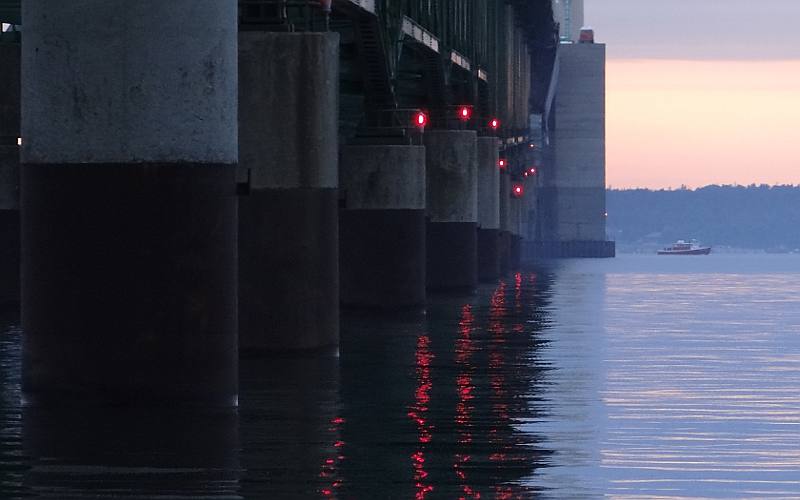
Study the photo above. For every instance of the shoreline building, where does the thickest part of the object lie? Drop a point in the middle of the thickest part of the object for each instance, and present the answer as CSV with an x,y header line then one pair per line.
x,y
569,15
570,200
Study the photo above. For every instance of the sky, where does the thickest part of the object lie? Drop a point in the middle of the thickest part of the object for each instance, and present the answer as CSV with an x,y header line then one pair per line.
x,y
700,92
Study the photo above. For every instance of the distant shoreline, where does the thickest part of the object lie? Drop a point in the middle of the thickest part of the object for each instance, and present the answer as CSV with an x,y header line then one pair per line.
x,y
740,218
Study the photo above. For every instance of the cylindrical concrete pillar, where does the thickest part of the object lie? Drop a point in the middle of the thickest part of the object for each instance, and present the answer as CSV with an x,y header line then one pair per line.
x,y
288,223
529,218
515,224
452,199
382,226
488,209
9,173
505,223
128,201
529,210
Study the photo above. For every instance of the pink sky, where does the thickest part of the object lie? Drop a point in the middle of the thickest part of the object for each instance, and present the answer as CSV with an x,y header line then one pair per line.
x,y
673,122
700,92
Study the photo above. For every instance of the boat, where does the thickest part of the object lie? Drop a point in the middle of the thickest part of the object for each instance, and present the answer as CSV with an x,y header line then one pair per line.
x,y
682,247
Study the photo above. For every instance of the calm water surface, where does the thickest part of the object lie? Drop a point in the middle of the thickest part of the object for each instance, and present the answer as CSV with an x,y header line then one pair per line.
x,y
639,377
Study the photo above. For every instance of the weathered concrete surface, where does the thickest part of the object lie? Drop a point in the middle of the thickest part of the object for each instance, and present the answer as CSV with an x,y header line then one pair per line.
x,y
515,240
128,202
9,94
574,190
382,258
537,250
288,104
9,177
288,232
452,256
488,209
452,175
515,211
488,183
577,209
382,226
9,173
505,201
452,209
504,248
129,294
131,86
383,177
288,270
530,208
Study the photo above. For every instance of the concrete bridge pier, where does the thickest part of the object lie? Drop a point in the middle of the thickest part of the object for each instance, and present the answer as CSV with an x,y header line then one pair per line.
x,y
515,227
382,226
504,250
488,209
9,174
452,206
128,202
288,224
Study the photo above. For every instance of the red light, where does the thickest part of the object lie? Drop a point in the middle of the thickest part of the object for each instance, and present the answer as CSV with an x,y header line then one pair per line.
x,y
525,173
501,163
518,191
495,124
465,113
421,119
532,170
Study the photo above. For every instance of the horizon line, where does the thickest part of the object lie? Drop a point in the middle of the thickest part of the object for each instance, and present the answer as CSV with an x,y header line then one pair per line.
x,y
611,57
695,188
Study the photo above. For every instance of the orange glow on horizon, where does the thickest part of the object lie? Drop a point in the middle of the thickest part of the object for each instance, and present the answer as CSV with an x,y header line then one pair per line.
x,y
694,123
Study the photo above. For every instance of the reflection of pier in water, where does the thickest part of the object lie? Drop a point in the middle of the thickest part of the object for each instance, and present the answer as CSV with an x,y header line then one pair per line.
x,y
416,406
433,403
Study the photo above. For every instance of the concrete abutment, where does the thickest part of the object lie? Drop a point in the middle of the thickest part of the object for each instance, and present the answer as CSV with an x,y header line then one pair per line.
x,y
288,231
452,209
382,226
504,246
488,209
128,202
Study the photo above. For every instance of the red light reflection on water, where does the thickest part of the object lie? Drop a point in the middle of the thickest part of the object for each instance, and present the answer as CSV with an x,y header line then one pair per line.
x,y
504,493
330,470
518,327
418,413
498,314
465,347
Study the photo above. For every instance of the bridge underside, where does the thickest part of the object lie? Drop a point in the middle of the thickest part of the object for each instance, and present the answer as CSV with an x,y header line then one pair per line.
x,y
359,156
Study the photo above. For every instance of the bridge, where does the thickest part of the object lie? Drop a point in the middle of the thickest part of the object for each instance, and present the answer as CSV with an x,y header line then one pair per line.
x,y
202,180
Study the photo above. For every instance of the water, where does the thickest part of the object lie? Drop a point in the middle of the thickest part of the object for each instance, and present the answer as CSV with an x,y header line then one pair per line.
x,y
639,377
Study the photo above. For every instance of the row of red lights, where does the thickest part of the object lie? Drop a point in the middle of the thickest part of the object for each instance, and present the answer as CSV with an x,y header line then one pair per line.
x,y
464,114
502,164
